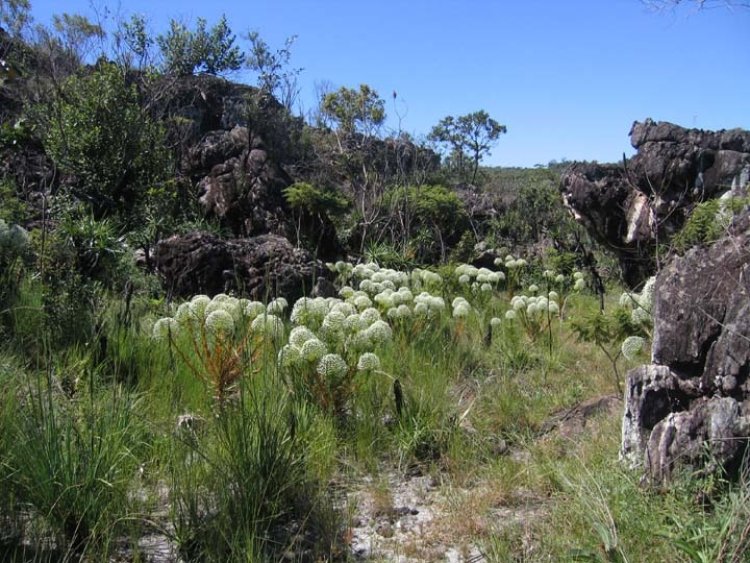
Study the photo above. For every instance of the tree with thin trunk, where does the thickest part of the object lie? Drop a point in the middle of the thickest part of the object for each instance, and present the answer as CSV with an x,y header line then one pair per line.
x,y
468,136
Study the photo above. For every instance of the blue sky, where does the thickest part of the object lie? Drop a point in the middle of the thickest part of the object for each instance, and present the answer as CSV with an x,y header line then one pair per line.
x,y
567,77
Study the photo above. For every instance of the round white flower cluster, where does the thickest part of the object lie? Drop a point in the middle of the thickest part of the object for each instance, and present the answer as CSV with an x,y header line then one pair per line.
x,y
481,279
326,325
277,306
427,305
461,308
532,307
552,276
221,314
220,322
373,279
631,346
425,279
395,303
164,328
640,303
310,311
332,366
343,269
580,283
368,362
14,240
268,325
512,263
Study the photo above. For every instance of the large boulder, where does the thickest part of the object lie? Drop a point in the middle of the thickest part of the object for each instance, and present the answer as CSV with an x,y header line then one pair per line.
x,y
259,267
691,406
638,205
235,142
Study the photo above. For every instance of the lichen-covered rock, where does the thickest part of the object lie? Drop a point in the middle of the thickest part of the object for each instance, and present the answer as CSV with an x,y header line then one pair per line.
x,y
691,406
635,206
259,267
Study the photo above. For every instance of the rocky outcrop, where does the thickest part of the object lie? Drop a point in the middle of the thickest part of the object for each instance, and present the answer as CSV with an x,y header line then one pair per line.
x,y
633,207
239,184
259,267
691,406
235,142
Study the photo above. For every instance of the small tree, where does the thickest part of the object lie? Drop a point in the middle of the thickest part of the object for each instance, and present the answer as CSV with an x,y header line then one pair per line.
x,y
355,111
275,76
201,50
97,131
473,134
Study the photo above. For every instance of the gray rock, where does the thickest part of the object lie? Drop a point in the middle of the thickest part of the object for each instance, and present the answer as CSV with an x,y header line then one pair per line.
x,y
260,267
635,206
691,406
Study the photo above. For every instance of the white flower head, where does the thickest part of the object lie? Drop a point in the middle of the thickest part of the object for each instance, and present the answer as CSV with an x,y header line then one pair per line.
x,y
220,322
254,309
332,365
198,306
184,315
313,350
631,346
379,332
163,328
269,325
362,302
299,335
289,356
277,306
368,362
640,316
370,315
461,311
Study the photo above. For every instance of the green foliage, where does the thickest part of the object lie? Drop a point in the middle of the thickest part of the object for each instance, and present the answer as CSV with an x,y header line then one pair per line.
x,y
134,42
353,110
239,486
535,213
437,217
607,331
73,463
15,252
14,16
274,74
708,222
306,197
200,51
98,132
75,35
473,134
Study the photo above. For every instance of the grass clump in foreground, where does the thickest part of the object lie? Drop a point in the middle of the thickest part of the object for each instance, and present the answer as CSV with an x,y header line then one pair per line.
x,y
233,429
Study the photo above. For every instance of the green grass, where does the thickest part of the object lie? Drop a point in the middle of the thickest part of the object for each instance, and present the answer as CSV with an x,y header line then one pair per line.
x,y
91,457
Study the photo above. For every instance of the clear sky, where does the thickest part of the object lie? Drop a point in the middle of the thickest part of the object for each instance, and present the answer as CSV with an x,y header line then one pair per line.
x,y
567,77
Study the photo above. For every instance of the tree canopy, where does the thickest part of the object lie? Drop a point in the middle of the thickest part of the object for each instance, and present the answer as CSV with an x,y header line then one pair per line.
x,y
353,110
473,134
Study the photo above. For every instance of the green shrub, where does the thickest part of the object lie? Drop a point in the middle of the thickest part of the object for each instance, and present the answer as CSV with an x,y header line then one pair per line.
x,y
98,131
73,463
708,222
238,487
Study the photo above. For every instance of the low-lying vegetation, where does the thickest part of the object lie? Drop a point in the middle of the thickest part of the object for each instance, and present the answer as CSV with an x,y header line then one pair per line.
x,y
232,429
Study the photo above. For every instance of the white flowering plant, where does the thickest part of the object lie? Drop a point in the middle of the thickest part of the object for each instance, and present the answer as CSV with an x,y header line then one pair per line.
x,y
216,338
